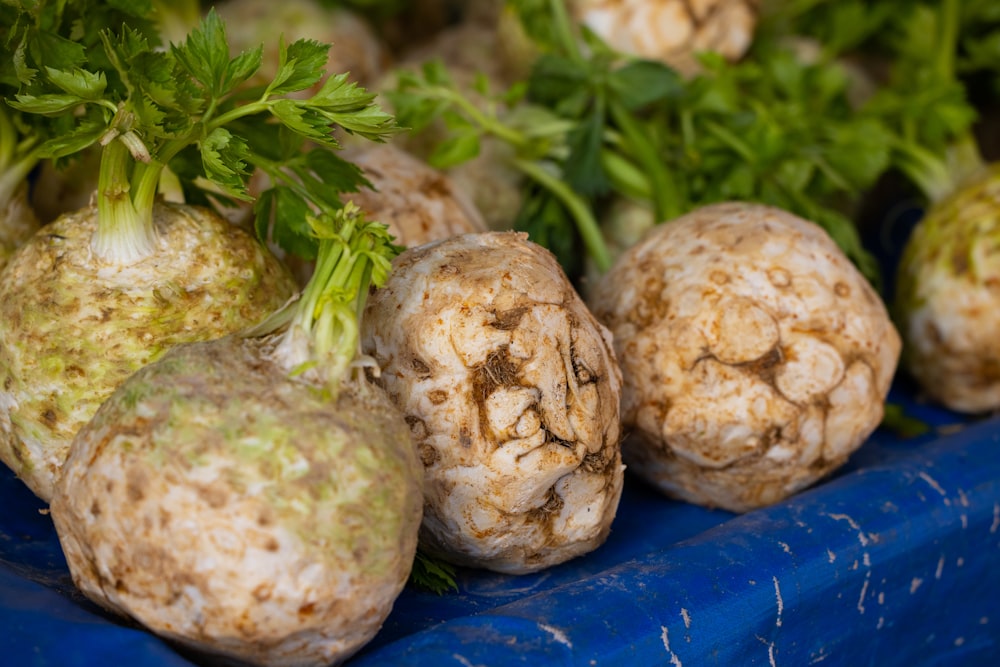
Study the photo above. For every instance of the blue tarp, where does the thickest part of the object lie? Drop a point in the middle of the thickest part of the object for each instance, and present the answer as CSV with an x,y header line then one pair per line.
x,y
895,561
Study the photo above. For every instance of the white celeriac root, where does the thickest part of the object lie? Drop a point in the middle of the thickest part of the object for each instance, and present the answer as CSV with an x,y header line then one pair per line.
x,y
511,390
756,357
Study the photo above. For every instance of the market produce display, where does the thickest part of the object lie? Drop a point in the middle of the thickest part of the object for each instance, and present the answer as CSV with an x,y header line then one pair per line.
x,y
339,330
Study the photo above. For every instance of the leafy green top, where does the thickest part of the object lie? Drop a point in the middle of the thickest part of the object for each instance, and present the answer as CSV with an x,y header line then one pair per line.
x,y
591,124
928,50
187,108
61,32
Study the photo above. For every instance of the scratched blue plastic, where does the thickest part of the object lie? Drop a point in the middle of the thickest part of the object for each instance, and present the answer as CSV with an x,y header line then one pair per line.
x,y
895,561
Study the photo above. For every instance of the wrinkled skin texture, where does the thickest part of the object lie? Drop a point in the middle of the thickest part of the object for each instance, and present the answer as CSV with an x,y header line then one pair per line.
x,y
511,391
419,203
672,31
73,327
241,513
947,301
755,356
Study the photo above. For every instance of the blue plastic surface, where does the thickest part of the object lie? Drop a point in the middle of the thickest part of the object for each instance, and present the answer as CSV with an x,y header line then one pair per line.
x,y
895,561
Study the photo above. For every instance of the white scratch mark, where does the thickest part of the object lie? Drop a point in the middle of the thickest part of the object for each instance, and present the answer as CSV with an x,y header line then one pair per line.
x,y
866,559
931,482
831,557
784,547
881,598
962,498
770,655
996,518
687,618
781,603
915,584
940,568
557,634
881,623
819,658
665,637
864,592
462,659
960,561
853,524
965,521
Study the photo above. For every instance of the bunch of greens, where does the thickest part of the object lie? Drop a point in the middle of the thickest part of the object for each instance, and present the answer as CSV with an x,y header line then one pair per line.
x,y
590,125
59,33
185,110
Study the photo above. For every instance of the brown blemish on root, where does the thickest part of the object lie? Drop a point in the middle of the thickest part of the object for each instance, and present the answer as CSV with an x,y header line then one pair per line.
x,y
509,320
428,455
212,495
420,368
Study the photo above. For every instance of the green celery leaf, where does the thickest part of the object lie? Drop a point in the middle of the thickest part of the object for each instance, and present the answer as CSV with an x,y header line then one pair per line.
x,y
74,140
339,94
282,217
583,169
432,575
85,85
46,105
301,119
244,65
860,151
455,149
561,84
300,66
335,172
224,157
548,224
642,82
371,122
205,55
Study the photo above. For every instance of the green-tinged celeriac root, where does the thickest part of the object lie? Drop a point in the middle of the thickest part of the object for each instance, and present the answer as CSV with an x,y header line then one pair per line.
x,y
947,301
72,327
242,513
756,357
511,390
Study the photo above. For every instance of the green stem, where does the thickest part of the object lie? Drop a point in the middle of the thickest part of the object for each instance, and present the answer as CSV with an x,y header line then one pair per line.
x,y
625,177
327,316
564,31
488,123
586,224
727,137
8,140
666,197
16,161
926,170
948,27
125,232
